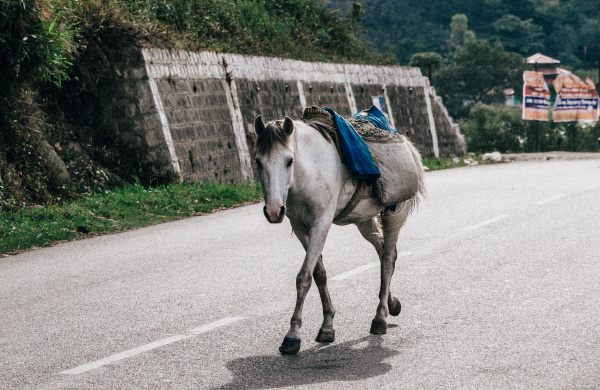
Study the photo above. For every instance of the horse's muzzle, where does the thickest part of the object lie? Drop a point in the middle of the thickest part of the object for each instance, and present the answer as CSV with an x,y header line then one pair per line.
x,y
279,217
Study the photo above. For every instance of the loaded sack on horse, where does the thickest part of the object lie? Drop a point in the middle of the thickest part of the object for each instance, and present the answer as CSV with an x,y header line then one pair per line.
x,y
374,152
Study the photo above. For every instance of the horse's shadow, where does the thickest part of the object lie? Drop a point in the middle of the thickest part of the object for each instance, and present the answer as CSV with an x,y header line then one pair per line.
x,y
348,361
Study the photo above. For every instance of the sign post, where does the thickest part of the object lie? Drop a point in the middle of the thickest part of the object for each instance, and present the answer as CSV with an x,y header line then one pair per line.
x,y
536,100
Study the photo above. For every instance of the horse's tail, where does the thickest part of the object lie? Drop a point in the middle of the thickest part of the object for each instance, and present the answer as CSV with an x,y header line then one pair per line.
x,y
394,221
421,191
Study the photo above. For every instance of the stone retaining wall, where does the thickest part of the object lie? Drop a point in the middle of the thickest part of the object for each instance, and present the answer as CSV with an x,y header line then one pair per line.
x,y
192,114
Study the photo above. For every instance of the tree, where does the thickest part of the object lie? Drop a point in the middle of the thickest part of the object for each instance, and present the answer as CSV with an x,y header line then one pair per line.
x,y
520,36
590,40
354,17
428,63
459,32
479,72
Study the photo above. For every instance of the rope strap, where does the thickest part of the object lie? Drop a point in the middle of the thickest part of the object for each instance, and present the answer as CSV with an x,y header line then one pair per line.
x,y
358,194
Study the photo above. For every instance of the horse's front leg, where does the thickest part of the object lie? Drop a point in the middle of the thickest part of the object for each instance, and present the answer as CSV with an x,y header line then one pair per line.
x,y
326,332
316,241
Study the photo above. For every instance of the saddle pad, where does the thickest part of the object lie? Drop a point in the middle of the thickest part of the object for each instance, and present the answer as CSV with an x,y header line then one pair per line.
x,y
399,179
390,155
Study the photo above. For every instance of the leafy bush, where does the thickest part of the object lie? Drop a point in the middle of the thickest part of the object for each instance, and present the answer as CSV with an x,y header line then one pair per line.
x,y
581,137
300,29
500,128
33,46
494,128
478,73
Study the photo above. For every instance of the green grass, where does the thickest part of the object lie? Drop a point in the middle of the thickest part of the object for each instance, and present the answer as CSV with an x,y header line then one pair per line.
x,y
435,164
116,210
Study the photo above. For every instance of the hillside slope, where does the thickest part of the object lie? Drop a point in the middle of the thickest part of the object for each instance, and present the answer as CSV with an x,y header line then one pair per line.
x,y
568,30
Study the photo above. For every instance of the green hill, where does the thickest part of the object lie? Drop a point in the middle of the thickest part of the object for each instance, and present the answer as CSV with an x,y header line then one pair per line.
x,y
568,29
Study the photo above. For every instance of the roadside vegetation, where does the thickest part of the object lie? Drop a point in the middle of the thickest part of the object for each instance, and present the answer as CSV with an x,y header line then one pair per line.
x,y
437,164
116,210
495,127
473,55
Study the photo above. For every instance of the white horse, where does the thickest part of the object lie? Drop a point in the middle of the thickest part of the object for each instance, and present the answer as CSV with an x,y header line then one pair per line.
x,y
303,177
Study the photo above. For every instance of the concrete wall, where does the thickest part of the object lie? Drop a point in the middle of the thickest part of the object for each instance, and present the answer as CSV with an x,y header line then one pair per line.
x,y
130,126
196,110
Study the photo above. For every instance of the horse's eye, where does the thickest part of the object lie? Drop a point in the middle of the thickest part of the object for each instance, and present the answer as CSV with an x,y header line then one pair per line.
x,y
258,163
290,162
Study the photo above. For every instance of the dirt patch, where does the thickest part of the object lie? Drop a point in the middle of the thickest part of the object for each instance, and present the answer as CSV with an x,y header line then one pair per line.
x,y
550,156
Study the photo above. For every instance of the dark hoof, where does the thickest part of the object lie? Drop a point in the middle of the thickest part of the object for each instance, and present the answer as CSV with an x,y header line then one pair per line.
x,y
378,327
326,335
290,346
394,306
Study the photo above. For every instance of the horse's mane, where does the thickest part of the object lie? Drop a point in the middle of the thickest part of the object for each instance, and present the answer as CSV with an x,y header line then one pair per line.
x,y
324,129
274,134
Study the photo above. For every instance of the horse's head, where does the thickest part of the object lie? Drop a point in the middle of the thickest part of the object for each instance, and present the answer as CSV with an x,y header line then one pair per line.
x,y
275,158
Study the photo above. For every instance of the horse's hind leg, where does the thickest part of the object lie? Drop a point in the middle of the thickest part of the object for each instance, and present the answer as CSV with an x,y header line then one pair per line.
x,y
391,223
371,232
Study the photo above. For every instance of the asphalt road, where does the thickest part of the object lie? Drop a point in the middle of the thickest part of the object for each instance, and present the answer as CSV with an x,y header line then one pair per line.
x,y
499,279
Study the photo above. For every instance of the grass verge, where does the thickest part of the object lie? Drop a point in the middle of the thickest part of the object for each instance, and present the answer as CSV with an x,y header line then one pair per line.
x,y
435,164
116,210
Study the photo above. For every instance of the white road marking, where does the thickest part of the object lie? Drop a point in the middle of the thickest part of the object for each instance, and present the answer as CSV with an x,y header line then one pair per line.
x,y
355,271
213,325
484,223
364,268
552,199
124,355
148,347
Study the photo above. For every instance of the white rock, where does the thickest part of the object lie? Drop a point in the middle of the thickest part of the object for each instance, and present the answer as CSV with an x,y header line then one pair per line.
x,y
495,156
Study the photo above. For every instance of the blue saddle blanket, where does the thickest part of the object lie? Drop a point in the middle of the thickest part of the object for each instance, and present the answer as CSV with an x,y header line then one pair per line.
x,y
357,153
376,117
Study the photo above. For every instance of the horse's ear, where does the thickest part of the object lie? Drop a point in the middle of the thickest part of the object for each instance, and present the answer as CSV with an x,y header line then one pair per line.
x,y
288,126
259,125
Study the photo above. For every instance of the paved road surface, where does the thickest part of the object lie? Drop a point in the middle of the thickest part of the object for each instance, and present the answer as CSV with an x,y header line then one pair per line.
x,y
499,280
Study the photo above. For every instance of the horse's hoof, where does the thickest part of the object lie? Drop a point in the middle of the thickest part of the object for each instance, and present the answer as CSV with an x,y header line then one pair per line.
x,y
394,306
378,326
326,335
290,346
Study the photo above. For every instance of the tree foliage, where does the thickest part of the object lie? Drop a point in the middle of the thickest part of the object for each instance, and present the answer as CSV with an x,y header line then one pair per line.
x,y
567,29
428,62
459,31
500,128
478,72
494,128
31,46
